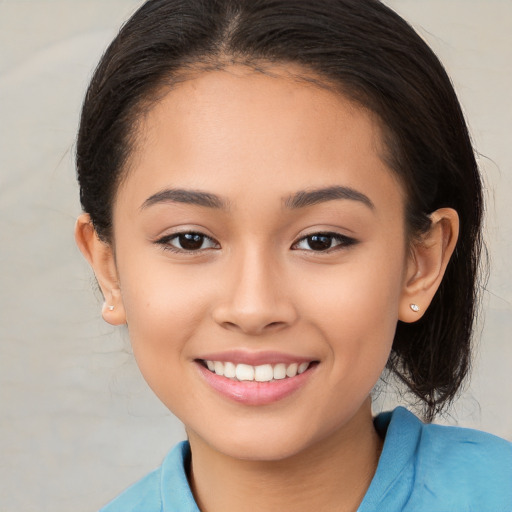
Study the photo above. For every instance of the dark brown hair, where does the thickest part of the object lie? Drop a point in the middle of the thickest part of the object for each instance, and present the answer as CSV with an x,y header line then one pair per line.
x,y
375,58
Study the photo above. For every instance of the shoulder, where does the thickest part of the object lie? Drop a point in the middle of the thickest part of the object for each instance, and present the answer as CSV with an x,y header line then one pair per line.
x,y
164,489
445,468
474,465
143,495
457,447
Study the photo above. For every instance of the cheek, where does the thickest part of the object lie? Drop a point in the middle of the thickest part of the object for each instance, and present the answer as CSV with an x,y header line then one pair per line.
x,y
164,306
356,310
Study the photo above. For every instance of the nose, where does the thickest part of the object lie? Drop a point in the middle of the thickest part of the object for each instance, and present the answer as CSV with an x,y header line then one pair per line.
x,y
255,301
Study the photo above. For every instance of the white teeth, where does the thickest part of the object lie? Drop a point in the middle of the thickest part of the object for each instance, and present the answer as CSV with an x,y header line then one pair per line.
x,y
279,371
229,370
218,368
262,373
291,371
244,372
302,367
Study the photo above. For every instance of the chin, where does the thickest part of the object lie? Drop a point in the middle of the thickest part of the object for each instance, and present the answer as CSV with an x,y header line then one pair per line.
x,y
269,451
273,443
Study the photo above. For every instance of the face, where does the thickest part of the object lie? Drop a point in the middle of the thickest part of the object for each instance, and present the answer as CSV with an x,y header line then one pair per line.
x,y
259,235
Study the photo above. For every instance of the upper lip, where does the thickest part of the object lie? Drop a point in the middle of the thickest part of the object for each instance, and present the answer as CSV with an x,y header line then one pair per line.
x,y
255,358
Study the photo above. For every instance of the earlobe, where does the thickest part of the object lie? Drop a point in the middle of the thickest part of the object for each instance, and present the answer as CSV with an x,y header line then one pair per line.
x,y
101,258
112,310
427,264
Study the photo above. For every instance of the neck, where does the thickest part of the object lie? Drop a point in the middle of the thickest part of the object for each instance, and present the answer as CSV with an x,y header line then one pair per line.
x,y
334,474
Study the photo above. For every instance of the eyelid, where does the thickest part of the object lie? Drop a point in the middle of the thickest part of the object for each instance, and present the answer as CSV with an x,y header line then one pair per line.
x,y
164,241
345,241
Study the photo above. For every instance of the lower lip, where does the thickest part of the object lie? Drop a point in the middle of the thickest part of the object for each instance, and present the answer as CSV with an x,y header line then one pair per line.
x,y
252,392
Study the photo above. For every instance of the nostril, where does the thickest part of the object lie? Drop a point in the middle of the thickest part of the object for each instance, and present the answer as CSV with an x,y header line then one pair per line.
x,y
253,329
275,324
232,326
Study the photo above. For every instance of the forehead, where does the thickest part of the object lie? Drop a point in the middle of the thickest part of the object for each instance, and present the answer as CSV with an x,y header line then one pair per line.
x,y
240,129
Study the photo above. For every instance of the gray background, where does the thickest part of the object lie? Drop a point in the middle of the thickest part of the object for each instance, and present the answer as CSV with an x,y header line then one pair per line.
x,y
77,423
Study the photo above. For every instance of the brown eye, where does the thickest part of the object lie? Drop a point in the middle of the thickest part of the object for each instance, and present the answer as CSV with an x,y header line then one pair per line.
x,y
187,242
322,242
190,241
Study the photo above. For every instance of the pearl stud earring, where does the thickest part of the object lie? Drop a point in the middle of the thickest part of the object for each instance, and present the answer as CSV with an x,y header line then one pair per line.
x,y
111,308
414,307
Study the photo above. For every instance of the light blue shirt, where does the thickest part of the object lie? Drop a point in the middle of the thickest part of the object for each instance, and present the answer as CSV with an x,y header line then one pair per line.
x,y
422,468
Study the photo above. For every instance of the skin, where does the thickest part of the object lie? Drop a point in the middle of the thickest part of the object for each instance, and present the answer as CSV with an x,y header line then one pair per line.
x,y
256,284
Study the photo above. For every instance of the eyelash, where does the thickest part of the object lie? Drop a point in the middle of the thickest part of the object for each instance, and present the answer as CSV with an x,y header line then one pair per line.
x,y
165,242
343,242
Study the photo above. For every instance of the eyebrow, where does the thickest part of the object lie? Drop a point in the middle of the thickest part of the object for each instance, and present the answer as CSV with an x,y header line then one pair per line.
x,y
301,199
305,198
194,197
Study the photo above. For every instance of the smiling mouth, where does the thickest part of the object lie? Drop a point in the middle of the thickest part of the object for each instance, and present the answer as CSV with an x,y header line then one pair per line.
x,y
262,373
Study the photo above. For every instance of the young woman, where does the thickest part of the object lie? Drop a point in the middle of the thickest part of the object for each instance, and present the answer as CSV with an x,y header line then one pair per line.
x,y
281,200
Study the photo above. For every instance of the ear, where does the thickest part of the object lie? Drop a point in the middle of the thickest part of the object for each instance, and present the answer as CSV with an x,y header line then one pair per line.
x,y
427,263
100,256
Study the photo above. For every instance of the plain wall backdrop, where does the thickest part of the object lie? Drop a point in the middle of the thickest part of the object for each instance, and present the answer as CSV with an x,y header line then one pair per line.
x,y
77,422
